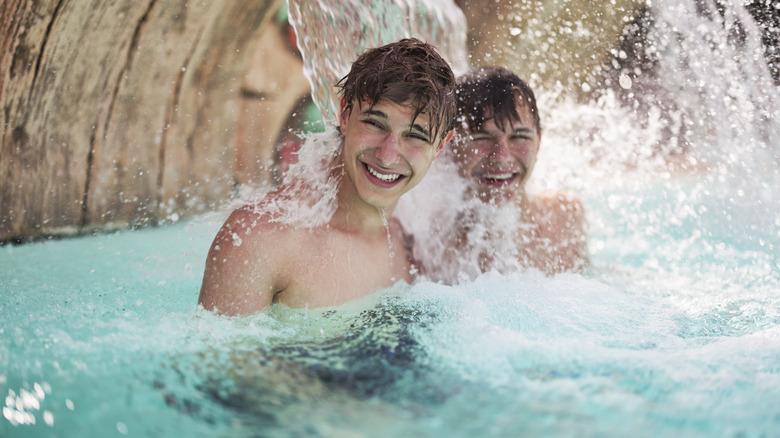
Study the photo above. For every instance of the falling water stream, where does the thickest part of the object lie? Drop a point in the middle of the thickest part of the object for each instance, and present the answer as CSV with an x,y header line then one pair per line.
x,y
673,330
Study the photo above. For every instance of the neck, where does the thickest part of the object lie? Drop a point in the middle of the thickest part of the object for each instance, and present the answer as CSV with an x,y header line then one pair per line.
x,y
355,215
518,201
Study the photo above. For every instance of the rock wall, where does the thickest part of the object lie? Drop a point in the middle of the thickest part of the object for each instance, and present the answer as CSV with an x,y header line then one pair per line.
x,y
119,113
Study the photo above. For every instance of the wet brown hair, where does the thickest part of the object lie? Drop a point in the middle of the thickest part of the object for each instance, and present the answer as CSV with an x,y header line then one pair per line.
x,y
493,92
405,72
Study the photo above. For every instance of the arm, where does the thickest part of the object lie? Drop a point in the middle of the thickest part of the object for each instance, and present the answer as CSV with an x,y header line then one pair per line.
x,y
241,275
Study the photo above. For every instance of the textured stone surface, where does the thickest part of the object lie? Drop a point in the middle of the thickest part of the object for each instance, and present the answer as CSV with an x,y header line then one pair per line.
x,y
119,113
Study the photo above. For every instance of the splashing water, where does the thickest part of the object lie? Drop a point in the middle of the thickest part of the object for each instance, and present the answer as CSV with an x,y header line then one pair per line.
x,y
386,224
700,124
323,27
673,331
310,185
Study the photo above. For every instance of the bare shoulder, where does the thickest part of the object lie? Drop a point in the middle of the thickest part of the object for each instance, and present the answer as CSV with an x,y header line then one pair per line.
x,y
250,225
560,220
244,267
265,218
562,210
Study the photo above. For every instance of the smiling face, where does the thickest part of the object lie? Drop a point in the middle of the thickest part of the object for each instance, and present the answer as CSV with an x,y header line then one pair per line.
x,y
498,162
386,150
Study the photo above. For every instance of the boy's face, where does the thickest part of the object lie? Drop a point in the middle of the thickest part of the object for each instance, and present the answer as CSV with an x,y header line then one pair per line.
x,y
386,154
498,162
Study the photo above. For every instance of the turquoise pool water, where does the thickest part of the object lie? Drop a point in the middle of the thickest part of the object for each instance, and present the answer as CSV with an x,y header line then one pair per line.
x,y
674,331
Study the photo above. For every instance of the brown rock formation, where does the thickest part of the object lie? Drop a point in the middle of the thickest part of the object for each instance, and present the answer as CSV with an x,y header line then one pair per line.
x,y
118,114
127,114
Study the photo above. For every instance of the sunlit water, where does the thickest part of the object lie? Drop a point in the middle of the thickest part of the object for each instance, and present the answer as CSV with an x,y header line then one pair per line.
x,y
674,330
324,26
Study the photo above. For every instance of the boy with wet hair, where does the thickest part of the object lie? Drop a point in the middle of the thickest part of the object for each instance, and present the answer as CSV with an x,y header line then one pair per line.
x,y
498,133
404,72
494,93
397,107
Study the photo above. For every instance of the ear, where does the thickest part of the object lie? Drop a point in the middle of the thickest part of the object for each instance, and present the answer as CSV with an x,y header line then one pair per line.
x,y
447,138
343,114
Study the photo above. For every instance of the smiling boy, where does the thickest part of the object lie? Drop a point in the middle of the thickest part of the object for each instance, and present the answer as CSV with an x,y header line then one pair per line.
x,y
397,107
495,151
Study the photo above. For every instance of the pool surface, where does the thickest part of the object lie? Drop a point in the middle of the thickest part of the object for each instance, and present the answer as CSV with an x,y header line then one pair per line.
x,y
673,331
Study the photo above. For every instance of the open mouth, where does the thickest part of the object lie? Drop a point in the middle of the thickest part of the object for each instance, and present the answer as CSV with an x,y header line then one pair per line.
x,y
499,179
383,177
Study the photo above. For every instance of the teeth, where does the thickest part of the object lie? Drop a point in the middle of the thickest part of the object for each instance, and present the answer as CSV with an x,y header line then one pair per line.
x,y
498,176
385,178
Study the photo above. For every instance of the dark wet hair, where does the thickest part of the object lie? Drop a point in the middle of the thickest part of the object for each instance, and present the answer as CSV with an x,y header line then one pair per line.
x,y
493,92
406,72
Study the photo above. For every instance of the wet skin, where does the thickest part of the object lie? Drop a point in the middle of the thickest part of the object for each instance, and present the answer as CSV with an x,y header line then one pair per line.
x,y
385,152
498,162
255,260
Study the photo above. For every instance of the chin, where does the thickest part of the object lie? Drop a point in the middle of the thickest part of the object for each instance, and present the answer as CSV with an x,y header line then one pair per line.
x,y
497,196
498,199
378,200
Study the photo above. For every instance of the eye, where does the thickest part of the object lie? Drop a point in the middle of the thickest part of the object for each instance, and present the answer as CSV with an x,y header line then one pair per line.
x,y
478,138
521,136
419,136
374,123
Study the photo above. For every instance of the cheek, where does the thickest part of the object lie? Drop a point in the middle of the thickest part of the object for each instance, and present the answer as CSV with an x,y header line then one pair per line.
x,y
525,152
360,142
420,157
467,164
466,157
470,152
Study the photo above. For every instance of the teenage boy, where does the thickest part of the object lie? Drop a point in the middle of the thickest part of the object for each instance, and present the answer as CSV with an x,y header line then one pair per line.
x,y
397,108
498,133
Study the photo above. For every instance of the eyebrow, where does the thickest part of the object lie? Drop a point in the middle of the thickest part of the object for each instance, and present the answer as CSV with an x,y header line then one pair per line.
x,y
421,130
521,130
415,127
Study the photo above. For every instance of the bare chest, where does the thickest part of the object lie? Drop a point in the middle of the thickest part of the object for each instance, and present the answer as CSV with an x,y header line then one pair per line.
x,y
332,269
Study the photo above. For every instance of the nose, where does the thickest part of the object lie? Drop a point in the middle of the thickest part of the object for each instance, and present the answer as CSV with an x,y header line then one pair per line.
x,y
387,153
500,149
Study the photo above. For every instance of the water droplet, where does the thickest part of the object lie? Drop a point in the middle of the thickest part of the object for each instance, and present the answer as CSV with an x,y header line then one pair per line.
x,y
625,81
